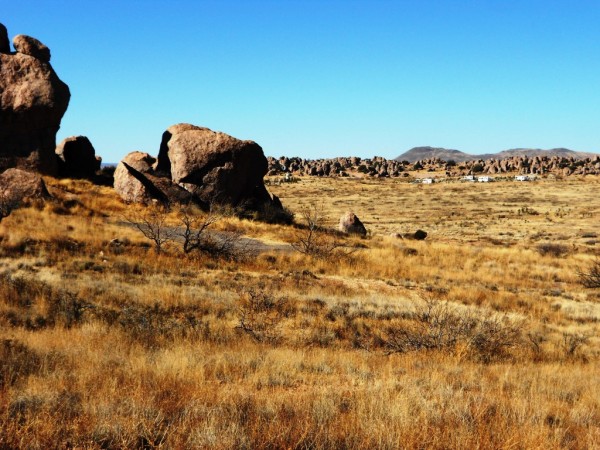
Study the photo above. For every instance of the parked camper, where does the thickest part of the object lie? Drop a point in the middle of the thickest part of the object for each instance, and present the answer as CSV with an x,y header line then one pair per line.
x,y
485,179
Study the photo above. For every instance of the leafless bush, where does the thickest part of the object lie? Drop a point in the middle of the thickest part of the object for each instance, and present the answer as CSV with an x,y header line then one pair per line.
x,y
493,336
572,342
314,239
195,227
229,245
260,315
591,278
437,326
555,250
152,223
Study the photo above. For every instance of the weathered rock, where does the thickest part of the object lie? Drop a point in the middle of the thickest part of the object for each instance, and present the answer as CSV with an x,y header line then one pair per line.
x,y
77,158
214,166
129,177
4,42
135,182
351,224
31,46
33,101
17,184
163,163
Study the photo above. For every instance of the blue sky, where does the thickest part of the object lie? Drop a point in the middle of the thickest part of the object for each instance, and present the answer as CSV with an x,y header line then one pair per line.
x,y
325,78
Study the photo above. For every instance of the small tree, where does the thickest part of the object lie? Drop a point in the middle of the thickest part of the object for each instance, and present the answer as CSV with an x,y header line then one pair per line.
x,y
196,235
195,226
152,223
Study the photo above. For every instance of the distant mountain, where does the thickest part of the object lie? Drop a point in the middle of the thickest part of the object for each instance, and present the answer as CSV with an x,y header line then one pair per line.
x,y
563,152
420,153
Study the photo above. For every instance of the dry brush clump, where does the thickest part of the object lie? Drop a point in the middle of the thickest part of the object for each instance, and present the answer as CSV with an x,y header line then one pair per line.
x,y
590,278
438,325
315,239
193,231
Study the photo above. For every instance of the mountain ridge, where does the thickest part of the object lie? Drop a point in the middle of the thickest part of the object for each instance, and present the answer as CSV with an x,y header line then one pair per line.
x,y
427,152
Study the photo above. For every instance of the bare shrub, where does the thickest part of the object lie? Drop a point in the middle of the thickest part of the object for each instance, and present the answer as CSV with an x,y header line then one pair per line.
x,y
260,315
437,325
572,342
195,227
591,278
229,245
314,239
493,337
152,223
555,250
196,235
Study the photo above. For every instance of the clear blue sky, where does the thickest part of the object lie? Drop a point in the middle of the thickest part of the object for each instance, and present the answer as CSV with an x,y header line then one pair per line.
x,y
325,78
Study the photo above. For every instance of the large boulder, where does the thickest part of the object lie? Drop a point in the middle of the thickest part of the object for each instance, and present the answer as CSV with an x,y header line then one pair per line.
x,y
202,166
17,185
163,163
135,182
351,224
77,158
33,101
214,166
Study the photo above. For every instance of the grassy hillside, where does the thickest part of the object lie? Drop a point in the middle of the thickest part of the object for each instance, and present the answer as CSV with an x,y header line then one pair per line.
x,y
480,336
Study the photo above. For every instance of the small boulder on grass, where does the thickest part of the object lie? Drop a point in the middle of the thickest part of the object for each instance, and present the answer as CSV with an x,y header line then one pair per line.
x,y
20,184
351,224
17,186
420,235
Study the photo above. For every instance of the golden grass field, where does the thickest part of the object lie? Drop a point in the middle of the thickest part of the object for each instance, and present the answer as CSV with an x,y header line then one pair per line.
x,y
480,336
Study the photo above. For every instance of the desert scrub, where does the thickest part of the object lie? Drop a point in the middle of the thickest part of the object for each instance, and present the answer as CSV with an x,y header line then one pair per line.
x,y
437,325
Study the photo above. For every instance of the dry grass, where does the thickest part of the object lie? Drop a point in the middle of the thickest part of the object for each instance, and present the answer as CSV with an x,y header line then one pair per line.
x,y
481,336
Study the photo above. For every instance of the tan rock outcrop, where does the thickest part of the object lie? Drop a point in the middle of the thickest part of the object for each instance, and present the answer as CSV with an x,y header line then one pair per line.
x,y
33,101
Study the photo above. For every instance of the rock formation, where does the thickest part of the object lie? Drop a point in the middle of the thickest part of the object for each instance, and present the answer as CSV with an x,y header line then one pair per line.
x,y
214,166
199,164
32,47
77,158
378,167
17,185
33,101
351,224
135,183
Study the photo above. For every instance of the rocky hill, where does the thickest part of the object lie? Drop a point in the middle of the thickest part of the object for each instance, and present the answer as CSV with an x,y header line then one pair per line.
x,y
422,153
532,152
419,153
